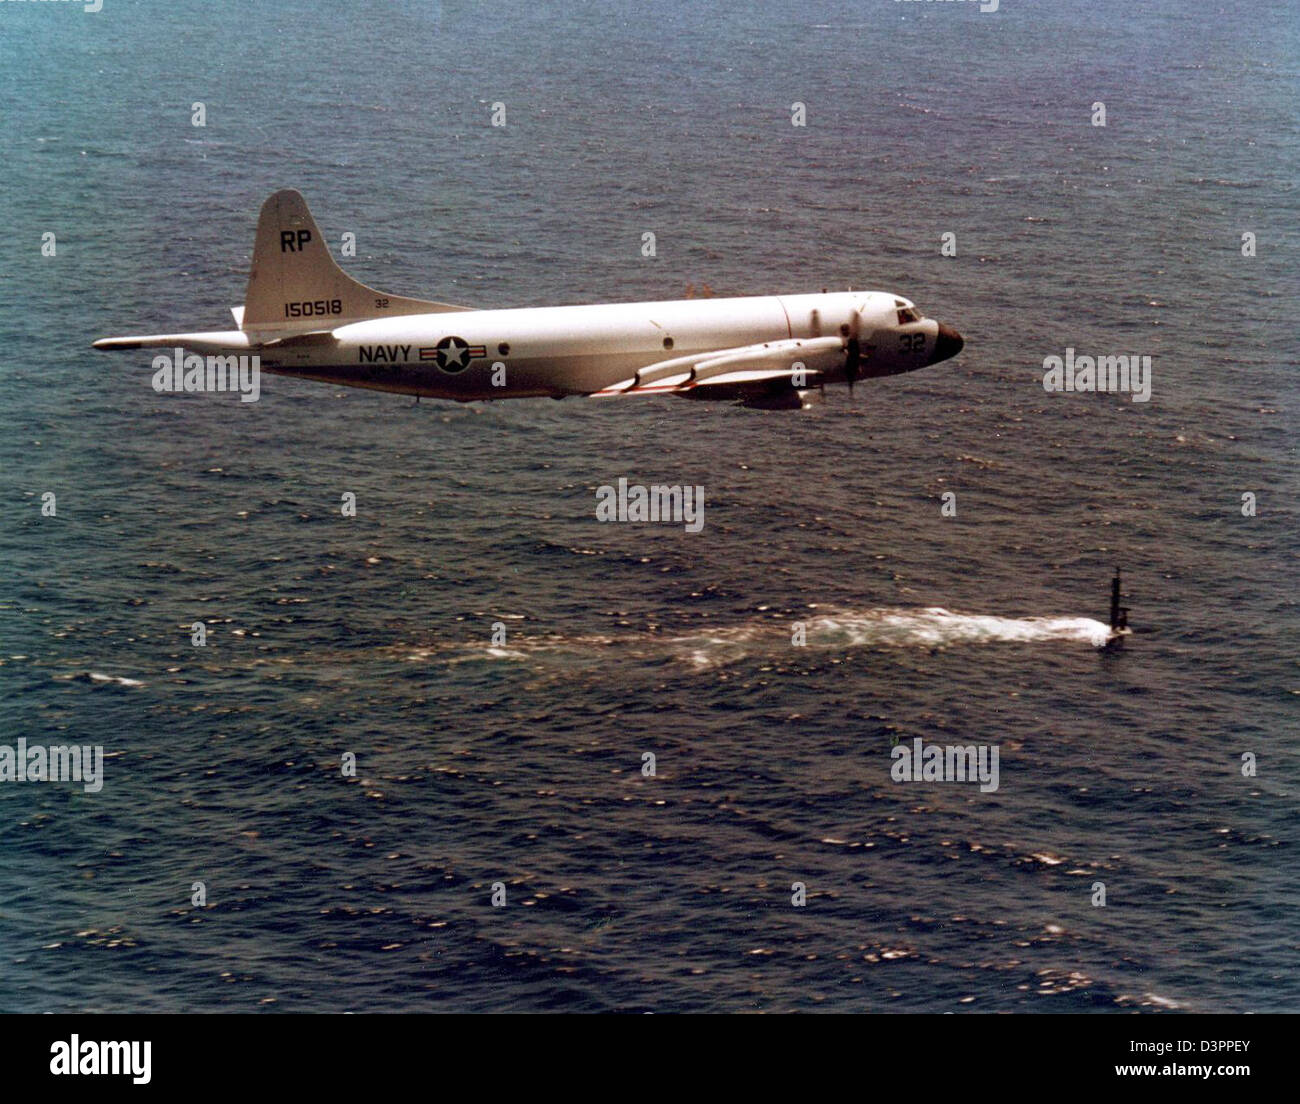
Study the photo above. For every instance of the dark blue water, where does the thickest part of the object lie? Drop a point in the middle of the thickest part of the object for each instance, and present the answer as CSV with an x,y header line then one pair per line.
x,y
521,763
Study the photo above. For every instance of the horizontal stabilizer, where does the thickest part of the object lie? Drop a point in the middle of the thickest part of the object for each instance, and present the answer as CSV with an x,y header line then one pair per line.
x,y
216,341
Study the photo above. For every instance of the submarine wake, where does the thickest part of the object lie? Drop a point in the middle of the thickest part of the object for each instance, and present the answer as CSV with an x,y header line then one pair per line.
x,y
938,627
934,627
842,630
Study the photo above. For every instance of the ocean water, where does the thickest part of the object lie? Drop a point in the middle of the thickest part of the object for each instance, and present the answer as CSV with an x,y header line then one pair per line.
x,y
482,761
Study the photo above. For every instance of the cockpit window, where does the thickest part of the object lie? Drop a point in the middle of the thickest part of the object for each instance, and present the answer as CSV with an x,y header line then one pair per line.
x,y
909,314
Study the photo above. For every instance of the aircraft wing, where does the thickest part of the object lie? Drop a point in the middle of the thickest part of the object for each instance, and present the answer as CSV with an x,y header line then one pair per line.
x,y
771,374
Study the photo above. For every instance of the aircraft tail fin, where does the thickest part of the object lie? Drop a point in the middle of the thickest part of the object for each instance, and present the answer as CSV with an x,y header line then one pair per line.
x,y
295,281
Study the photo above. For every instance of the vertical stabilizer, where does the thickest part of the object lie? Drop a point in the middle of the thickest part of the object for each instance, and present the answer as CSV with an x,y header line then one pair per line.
x,y
295,282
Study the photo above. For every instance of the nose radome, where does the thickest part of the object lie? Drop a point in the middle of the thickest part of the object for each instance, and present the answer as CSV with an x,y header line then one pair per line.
x,y
948,344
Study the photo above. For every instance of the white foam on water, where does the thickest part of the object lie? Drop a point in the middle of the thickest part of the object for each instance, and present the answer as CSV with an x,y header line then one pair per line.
x,y
937,627
902,628
96,676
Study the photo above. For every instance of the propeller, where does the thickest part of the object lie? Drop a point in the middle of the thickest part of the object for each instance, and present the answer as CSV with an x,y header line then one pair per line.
x,y
853,351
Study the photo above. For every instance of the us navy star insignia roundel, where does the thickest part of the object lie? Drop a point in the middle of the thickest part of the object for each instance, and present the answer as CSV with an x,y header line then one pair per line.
x,y
453,354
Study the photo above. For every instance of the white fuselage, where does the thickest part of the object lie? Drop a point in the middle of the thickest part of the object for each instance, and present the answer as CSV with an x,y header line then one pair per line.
x,y
578,350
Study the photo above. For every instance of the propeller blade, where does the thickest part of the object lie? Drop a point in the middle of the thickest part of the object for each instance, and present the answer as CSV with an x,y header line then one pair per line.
x,y
853,352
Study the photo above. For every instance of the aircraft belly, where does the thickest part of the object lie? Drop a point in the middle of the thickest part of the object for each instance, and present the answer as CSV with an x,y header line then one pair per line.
x,y
523,378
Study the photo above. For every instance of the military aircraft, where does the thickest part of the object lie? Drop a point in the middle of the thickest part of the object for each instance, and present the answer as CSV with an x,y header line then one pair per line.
x,y
303,316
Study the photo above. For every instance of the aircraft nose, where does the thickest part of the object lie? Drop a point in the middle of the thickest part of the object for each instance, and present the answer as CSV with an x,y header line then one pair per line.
x,y
948,344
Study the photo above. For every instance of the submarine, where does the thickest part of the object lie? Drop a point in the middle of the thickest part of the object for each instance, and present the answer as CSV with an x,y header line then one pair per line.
x,y
1118,615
